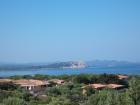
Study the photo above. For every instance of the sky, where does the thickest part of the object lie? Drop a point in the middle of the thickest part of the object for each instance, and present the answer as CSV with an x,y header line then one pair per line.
x,y
66,30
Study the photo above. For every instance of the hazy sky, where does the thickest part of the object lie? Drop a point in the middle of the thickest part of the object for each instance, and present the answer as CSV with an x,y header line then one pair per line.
x,y
59,30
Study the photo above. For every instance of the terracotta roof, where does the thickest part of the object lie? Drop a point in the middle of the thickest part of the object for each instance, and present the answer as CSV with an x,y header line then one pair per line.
x,y
122,76
5,80
97,86
114,86
100,86
30,82
58,81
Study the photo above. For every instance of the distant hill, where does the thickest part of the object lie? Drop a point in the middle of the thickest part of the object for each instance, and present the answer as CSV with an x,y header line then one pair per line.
x,y
70,64
62,65
111,63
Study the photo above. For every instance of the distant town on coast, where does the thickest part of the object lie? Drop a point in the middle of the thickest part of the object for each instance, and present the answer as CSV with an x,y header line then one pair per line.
x,y
69,64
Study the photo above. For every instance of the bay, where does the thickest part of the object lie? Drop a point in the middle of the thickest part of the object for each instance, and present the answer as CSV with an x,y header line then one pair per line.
x,y
94,70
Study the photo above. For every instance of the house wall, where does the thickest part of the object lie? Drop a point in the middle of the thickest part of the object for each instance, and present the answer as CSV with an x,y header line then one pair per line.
x,y
33,88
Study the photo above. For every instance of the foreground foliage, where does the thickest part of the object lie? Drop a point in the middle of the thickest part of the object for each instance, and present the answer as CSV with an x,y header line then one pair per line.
x,y
71,92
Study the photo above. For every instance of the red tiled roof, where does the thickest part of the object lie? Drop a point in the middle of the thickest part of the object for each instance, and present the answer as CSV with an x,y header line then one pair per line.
x,y
30,82
97,86
5,80
122,76
58,81
114,86
100,86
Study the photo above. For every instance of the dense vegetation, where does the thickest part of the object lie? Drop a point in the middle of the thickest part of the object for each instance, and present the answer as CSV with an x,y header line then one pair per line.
x,y
71,92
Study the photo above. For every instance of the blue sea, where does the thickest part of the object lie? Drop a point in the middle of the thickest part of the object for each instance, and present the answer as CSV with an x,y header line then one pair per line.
x,y
93,70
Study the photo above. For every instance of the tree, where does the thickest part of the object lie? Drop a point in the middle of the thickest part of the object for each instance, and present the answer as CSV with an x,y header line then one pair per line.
x,y
134,90
8,86
89,91
82,78
13,101
104,97
60,101
124,99
53,91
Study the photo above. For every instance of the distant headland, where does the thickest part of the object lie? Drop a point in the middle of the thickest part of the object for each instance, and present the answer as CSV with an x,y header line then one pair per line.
x,y
69,64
